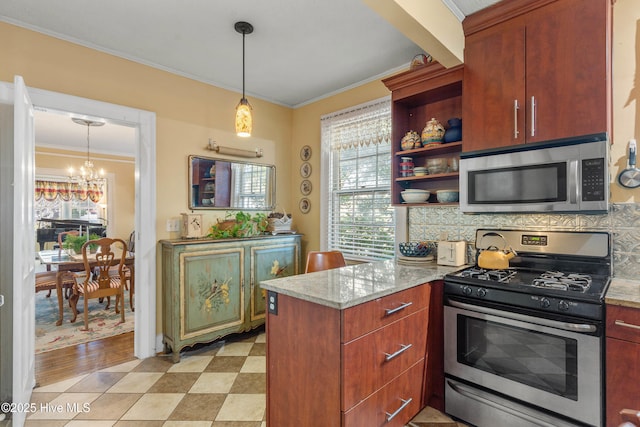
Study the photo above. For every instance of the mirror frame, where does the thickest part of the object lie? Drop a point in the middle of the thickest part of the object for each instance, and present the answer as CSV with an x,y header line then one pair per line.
x,y
199,173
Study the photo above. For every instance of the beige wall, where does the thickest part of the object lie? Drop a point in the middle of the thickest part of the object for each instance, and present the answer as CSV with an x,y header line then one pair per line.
x,y
188,113
626,92
120,168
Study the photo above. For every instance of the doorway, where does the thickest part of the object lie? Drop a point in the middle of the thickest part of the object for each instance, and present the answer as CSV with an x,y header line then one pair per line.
x,y
145,200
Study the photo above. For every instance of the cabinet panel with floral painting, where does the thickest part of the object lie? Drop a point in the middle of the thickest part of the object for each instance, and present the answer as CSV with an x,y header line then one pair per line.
x,y
211,288
270,262
211,291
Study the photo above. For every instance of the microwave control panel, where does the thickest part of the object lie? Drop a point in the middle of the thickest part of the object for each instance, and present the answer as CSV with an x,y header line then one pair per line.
x,y
593,180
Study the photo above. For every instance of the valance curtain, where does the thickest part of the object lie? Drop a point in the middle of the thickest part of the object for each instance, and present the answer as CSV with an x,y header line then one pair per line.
x,y
50,190
364,125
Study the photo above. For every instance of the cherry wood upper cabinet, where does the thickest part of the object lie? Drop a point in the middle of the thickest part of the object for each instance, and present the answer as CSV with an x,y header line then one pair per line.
x,y
536,70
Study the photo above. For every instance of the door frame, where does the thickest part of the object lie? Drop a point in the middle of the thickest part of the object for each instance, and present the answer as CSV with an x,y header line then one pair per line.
x,y
145,200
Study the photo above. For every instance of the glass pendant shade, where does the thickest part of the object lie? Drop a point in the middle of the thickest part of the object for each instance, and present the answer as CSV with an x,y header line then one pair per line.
x,y
244,118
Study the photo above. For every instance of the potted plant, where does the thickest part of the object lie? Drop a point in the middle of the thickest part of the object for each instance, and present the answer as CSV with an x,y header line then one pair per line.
x,y
242,224
76,242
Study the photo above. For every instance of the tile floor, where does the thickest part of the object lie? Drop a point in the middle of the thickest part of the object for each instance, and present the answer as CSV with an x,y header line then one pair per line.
x,y
219,385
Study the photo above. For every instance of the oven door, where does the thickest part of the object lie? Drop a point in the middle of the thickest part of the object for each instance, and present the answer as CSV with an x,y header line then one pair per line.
x,y
553,365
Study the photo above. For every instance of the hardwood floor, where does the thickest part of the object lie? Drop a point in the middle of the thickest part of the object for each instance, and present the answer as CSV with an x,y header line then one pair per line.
x,y
69,362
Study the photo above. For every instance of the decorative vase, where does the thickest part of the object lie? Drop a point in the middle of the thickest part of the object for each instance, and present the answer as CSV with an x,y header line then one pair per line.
x,y
454,133
432,132
410,140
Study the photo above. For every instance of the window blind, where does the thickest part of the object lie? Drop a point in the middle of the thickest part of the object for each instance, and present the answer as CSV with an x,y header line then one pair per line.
x,y
359,219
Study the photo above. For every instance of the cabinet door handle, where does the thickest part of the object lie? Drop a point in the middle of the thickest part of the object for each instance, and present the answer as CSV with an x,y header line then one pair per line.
x,y
402,306
533,116
626,325
403,348
516,107
397,411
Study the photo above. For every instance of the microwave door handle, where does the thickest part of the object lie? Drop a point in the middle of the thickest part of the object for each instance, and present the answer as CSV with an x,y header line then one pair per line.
x,y
573,182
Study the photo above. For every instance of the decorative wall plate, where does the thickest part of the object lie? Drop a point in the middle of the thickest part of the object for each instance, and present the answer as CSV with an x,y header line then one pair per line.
x,y
305,205
305,187
305,153
305,170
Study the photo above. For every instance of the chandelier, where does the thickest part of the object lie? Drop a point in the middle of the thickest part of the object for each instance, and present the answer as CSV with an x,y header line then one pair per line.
x,y
88,175
244,119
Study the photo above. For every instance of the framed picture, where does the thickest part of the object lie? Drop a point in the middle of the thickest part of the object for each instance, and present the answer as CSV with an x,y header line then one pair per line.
x,y
305,153
305,205
305,187
305,170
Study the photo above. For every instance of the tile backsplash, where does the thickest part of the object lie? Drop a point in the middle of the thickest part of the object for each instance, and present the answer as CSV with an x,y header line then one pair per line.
x,y
622,221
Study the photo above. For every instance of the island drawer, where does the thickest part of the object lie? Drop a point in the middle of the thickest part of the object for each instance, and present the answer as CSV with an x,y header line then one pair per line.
x,y
374,359
623,323
399,400
366,317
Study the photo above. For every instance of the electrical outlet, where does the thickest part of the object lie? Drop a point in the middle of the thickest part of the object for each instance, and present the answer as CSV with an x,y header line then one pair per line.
x,y
173,224
272,302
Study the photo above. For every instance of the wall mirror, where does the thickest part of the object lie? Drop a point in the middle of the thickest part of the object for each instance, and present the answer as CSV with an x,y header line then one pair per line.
x,y
228,184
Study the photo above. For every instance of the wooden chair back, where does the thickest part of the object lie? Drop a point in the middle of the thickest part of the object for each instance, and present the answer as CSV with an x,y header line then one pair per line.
x,y
631,418
62,235
96,281
318,261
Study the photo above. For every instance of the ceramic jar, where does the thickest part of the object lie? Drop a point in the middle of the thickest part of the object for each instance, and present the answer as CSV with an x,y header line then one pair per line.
x,y
454,132
410,140
432,133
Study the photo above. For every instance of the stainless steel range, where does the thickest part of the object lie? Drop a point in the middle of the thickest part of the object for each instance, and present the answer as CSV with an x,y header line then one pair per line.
x,y
524,346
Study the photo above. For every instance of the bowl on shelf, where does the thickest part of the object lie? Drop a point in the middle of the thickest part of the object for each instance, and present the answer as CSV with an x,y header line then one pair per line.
x,y
419,171
437,165
415,249
447,196
415,196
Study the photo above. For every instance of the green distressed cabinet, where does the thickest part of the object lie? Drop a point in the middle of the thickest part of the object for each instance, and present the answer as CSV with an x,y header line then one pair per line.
x,y
210,288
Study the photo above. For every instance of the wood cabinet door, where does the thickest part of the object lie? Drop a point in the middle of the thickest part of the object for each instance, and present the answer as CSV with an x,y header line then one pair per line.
x,y
211,293
494,81
566,72
623,379
270,262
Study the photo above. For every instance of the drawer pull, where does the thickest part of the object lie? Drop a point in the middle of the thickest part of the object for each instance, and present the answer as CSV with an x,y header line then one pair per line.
x,y
390,311
404,405
403,348
626,325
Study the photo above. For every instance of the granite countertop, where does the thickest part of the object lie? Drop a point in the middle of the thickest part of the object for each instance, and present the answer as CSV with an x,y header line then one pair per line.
x,y
356,284
623,292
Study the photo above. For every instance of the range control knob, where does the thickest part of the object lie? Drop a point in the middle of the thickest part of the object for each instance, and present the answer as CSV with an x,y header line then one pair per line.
x,y
467,290
545,303
563,305
481,292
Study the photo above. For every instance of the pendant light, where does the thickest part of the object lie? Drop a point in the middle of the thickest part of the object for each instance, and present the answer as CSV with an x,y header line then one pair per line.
x,y
88,175
244,118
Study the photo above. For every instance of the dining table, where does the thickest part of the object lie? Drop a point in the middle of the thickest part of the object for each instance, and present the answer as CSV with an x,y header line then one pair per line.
x,y
69,262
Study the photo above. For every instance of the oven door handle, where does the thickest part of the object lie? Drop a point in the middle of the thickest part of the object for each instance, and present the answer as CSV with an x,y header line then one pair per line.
x,y
572,327
468,393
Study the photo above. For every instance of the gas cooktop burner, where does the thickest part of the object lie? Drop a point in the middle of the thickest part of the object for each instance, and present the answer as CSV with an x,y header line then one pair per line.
x,y
484,274
563,281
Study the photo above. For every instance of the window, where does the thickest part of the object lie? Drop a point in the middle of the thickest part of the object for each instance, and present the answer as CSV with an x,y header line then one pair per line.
x,y
358,217
250,183
57,199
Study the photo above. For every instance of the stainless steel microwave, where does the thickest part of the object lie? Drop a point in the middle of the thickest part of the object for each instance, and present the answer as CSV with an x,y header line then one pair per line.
x,y
565,175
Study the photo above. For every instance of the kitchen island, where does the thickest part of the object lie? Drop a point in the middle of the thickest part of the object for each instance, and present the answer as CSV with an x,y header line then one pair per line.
x,y
348,347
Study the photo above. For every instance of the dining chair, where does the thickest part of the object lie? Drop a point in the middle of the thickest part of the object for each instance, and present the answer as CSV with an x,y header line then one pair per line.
x,y
46,281
318,261
630,417
129,283
95,281
62,235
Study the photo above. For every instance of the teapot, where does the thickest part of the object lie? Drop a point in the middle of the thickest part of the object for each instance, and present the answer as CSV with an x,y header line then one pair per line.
x,y
493,258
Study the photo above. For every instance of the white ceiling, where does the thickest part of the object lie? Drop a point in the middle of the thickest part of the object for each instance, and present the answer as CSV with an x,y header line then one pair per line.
x,y
300,50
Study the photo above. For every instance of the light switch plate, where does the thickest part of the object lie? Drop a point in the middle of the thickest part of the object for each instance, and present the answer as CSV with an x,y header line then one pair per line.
x,y
173,224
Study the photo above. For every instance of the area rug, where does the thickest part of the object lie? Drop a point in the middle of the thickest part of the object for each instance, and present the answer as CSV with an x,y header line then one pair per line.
x,y
102,323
